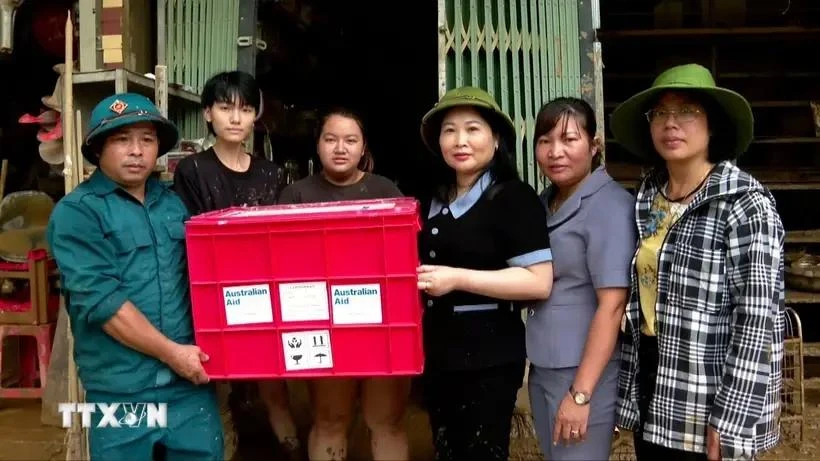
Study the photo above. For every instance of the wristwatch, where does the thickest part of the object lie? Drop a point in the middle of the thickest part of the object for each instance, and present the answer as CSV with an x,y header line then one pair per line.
x,y
580,398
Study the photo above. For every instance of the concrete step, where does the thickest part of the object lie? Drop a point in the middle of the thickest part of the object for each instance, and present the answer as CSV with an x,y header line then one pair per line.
x,y
23,437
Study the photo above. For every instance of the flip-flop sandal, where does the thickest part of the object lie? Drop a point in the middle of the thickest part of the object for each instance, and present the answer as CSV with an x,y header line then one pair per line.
x,y
46,135
45,118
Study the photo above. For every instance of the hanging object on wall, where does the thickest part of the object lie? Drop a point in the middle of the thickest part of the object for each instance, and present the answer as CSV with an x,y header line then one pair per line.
x,y
54,101
45,118
50,134
8,11
52,152
48,29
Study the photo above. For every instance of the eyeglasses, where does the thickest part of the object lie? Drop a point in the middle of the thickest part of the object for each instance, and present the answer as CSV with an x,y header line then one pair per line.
x,y
685,115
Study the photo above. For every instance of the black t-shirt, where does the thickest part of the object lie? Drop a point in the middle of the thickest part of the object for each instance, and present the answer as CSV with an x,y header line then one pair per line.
x,y
205,184
505,226
316,188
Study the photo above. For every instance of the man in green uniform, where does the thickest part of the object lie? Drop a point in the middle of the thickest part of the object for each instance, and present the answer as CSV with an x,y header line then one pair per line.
x,y
119,242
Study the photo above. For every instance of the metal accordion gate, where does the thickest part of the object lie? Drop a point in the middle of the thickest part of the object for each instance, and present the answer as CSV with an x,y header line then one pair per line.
x,y
196,39
524,52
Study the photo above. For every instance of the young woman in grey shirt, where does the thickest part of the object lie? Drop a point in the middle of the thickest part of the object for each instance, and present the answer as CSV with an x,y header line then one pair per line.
x,y
346,174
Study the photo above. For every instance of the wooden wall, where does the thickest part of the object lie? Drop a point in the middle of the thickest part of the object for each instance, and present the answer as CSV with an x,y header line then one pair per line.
x,y
127,29
766,51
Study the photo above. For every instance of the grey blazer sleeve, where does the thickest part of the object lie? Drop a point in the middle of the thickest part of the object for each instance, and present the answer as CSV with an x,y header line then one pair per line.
x,y
611,237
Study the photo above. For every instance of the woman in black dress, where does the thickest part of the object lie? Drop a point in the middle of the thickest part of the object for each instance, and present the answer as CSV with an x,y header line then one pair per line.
x,y
485,252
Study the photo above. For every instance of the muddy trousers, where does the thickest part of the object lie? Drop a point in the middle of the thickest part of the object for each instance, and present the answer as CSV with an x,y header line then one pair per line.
x,y
193,432
471,411
646,451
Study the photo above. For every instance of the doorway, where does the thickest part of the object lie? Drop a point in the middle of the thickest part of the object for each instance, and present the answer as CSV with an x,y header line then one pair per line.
x,y
381,64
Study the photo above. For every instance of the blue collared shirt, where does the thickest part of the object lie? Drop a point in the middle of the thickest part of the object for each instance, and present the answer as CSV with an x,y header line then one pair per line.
x,y
465,203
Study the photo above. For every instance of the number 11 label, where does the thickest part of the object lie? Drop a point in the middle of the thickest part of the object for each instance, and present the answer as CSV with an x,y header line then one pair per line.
x,y
307,350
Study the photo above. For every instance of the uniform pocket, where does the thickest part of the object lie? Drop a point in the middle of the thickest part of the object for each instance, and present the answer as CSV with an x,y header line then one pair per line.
x,y
176,230
134,251
173,252
129,241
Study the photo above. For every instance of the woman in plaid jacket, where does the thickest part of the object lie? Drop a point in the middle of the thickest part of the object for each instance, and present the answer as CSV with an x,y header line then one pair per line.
x,y
703,349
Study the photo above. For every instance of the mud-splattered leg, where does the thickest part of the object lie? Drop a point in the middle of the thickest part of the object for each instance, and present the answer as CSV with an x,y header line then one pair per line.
x,y
384,401
277,401
333,402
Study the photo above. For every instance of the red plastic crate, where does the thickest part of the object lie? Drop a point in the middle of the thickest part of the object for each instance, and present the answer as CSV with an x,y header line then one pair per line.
x,y
315,290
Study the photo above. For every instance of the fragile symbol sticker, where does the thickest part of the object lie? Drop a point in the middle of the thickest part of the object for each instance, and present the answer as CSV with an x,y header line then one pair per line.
x,y
307,350
357,304
247,304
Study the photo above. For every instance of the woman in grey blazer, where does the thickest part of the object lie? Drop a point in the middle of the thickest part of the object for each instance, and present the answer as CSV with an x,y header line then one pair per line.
x,y
572,336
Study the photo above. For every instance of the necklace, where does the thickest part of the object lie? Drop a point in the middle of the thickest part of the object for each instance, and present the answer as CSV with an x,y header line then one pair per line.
x,y
665,190
567,192
233,162
555,204
459,191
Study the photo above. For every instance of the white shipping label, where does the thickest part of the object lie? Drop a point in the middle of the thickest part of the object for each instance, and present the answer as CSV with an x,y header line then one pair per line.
x,y
303,301
357,304
307,350
247,304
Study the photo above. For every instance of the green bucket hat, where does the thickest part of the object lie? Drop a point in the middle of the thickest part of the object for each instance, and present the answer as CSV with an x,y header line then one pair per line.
x,y
628,121
124,109
465,96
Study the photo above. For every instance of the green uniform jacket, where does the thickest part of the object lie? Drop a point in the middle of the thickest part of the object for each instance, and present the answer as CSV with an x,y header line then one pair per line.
x,y
110,248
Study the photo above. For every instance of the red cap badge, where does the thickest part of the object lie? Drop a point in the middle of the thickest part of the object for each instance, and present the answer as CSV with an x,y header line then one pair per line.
x,y
118,107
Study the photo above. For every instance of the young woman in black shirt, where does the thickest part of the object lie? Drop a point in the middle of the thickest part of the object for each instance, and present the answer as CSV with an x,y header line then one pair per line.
x,y
226,176
485,252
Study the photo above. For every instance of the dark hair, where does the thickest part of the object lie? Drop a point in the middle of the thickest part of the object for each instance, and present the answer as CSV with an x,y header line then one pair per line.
x,y
231,87
723,137
366,163
567,108
501,167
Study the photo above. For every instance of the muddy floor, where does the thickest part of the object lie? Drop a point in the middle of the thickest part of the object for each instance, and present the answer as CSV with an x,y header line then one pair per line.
x,y
791,449
23,438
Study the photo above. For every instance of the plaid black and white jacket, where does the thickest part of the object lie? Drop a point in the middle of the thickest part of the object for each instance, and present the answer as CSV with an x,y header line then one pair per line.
x,y
720,321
